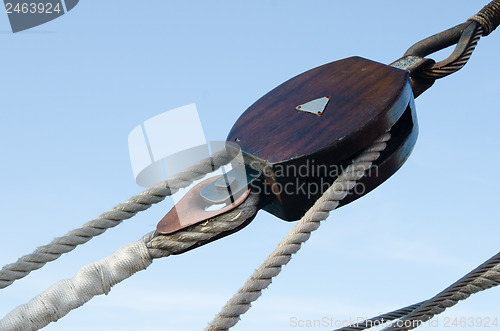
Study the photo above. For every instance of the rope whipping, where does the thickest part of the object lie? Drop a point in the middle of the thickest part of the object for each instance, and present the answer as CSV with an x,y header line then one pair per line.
x,y
483,23
262,277
488,17
98,278
61,245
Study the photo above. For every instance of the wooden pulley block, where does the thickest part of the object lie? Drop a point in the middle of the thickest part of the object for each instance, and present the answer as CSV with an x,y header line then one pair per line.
x,y
303,133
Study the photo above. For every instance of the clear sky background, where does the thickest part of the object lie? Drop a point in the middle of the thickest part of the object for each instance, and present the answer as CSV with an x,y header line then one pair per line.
x,y
74,88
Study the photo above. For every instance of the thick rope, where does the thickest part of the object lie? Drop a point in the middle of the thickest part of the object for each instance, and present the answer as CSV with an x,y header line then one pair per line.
x,y
98,278
486,276
112,218
262,277
482,278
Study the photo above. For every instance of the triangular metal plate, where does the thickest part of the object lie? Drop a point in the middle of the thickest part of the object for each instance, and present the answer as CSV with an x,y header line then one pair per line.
x,y
316,106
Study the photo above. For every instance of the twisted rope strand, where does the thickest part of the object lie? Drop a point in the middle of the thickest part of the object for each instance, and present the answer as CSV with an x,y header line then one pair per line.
x,y
112,218
262,277
487,21
482,278
438,70
98,278
486,276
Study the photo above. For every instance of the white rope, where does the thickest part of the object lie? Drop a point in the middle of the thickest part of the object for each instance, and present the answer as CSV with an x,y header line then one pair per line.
x,y
112,218
64,296
98,278
262,277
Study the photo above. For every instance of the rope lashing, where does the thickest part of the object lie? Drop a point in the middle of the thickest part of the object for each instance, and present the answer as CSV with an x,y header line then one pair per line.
x,y
465,36
262,277
488,17
98,278
52,251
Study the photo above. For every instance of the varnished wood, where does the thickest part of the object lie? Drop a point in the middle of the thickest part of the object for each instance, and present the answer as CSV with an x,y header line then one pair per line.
x,y
366,99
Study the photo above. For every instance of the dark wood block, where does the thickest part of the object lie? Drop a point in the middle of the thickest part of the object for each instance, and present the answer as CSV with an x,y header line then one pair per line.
x,y
366,99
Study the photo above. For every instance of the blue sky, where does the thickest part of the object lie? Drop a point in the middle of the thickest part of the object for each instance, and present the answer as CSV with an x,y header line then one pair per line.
x,y
74,88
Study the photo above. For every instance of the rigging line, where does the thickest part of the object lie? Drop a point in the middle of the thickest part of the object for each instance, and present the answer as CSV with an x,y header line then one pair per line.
x,y
484,277
381,319
98,278
465,35
271,267
61,245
